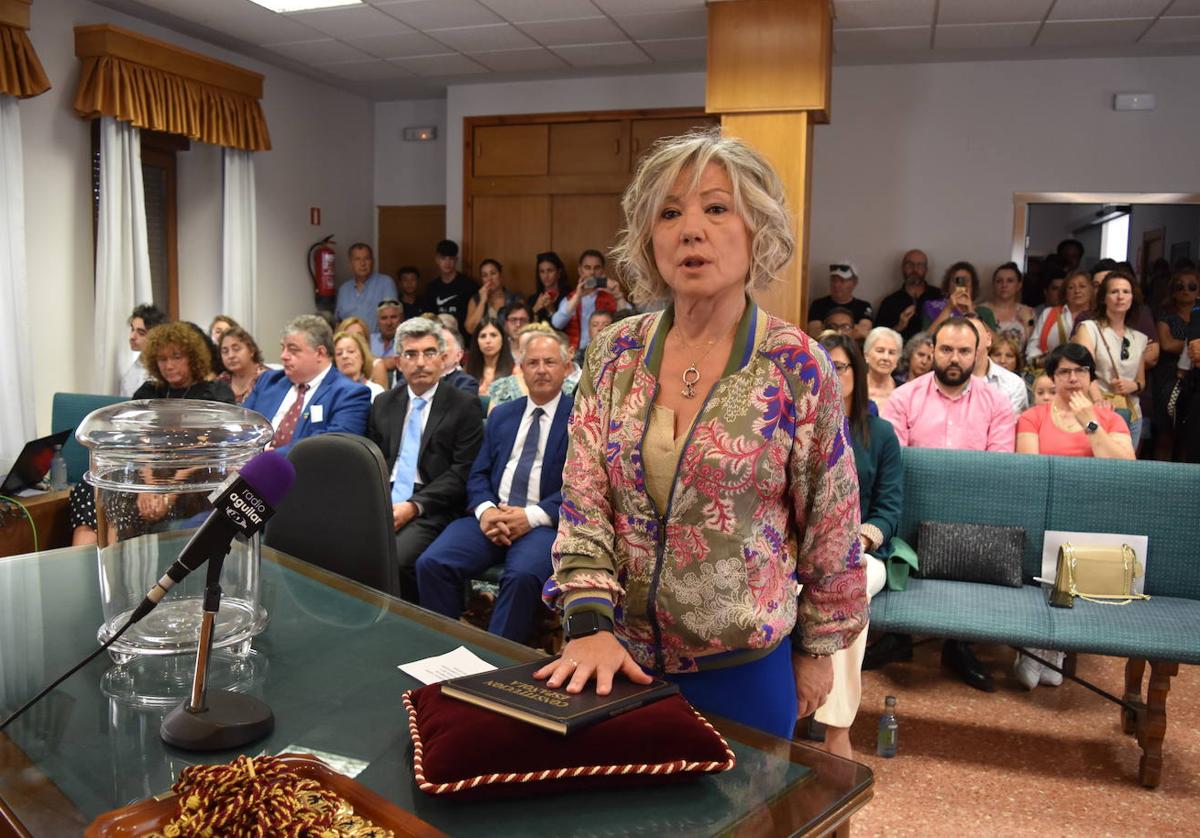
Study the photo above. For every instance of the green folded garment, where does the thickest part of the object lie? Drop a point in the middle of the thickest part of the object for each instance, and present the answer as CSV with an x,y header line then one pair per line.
x,y
900,559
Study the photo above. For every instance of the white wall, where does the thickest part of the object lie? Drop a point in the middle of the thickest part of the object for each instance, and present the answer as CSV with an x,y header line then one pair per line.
x,y
929,155
672,90
322,156
409,173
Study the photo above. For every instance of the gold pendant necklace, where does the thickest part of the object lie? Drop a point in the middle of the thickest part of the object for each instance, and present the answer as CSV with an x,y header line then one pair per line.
x,y
691,376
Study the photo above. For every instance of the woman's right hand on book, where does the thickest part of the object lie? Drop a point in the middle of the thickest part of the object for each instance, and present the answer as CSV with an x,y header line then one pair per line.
x,y
600,656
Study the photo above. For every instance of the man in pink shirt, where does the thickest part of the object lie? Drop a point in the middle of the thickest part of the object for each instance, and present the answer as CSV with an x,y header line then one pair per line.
x,y
947,408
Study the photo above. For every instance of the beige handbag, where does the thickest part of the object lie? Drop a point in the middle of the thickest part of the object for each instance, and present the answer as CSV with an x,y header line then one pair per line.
x,y
1097,574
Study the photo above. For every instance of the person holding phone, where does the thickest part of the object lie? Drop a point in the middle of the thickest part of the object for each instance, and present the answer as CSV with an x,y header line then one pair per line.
x,y
960,285
552,286
592,294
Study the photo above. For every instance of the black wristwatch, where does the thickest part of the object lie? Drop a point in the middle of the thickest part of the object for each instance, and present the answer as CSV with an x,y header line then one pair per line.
x,y
585,624
1091,427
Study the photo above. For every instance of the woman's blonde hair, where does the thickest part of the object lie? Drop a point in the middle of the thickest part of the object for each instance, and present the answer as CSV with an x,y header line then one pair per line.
x,y
758,198
347,322
368,358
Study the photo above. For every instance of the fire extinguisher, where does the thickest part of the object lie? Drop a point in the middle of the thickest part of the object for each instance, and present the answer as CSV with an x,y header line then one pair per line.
x,y
321,258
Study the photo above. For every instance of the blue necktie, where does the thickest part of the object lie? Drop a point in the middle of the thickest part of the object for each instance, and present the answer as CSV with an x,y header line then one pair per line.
x,y
518,493
406,462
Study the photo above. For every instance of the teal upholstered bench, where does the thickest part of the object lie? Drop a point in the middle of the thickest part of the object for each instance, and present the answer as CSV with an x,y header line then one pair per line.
x,y
1063,493
67,411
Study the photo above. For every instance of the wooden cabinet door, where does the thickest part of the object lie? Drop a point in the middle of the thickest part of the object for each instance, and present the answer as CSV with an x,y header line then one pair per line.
x,y
646,131
582,222
407,236
510,150
588,148
513,229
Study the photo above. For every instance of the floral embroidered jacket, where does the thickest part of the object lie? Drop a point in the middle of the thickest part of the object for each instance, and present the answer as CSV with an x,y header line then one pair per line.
x,y
765,499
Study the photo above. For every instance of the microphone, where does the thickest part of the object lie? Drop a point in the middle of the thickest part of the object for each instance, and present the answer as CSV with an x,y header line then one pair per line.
x,y
241,507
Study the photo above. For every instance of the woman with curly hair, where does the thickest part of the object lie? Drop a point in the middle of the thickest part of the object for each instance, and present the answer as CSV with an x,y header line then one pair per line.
x,y
179,363
710,518
177,358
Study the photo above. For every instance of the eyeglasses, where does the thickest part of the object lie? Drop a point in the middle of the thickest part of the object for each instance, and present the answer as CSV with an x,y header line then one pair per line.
x,y
841,366
1071,372
427,354
1187,286
517,321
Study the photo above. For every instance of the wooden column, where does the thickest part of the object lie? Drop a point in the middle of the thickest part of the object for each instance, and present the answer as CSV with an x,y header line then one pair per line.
x,y
768,78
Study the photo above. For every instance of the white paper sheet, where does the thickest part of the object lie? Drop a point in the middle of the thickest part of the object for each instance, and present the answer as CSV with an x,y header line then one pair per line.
x,y
1054,539
462,661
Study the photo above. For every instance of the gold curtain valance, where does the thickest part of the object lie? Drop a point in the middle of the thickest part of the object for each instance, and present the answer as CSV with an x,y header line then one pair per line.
x,y
156,85
21,73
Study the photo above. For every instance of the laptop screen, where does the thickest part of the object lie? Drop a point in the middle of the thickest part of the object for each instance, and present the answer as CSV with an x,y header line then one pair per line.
x,y
33,463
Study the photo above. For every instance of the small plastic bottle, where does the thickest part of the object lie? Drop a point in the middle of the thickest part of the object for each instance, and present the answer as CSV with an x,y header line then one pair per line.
x,y
58,470
886,743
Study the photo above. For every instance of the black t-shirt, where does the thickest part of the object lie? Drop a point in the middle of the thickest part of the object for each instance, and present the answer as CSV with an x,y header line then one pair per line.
x,y
893,304
213,391
819,309
412,310
451,298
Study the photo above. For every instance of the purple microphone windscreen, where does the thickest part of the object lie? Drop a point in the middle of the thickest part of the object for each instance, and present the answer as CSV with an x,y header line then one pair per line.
x,y
271,474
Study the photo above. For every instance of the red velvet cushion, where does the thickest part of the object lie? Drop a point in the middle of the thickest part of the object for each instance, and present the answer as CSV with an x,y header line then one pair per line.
x,y
467,751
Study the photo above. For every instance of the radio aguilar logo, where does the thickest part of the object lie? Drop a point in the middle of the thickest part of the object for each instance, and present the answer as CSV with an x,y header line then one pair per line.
x,y
246,510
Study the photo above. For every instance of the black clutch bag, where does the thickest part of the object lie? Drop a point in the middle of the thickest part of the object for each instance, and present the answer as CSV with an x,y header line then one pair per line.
x,y
971,553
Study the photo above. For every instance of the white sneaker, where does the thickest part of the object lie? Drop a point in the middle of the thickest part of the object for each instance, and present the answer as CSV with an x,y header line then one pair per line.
x,y
1049,676
1027,670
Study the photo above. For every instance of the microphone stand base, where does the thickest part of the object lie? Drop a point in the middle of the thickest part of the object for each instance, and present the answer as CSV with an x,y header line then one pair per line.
x,y
229,721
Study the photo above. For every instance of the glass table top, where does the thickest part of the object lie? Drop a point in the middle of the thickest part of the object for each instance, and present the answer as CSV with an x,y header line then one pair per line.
x,y
327,666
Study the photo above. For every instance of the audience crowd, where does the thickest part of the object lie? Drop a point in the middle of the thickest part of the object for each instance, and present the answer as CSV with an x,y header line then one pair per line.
x,y
467,389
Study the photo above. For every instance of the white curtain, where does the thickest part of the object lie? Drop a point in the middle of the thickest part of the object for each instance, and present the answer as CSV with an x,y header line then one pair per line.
x,y
17,419
239,237
122,252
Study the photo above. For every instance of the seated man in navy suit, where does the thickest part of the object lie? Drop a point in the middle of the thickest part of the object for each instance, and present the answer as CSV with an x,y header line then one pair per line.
x,y
514,493
429,432
308,396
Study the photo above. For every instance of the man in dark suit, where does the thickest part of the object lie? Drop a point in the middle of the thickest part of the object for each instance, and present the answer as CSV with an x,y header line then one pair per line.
x,y
308,396
429,432
514,493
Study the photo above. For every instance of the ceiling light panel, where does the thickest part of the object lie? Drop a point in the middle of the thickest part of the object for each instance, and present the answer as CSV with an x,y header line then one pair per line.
x,y
285,6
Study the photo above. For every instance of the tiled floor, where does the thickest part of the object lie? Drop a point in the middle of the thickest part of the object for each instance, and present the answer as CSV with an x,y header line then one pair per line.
x,y
1048,763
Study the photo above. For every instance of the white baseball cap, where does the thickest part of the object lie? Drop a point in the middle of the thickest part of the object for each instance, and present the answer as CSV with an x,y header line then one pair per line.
x,y
843,269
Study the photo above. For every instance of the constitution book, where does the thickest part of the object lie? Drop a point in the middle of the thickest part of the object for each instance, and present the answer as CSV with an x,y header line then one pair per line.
x,y
514,692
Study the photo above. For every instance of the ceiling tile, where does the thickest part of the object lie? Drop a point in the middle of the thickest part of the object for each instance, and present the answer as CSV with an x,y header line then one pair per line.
x,y
351,22
984,35
1077,33
406,45
677,49
1184,8
495,36
326,51
686,24
1173,30
525,11
637,7
874,14
990,11
850,41
602,55
447,64
1106,9
590,30
254,25
366,70
439,14
519,60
